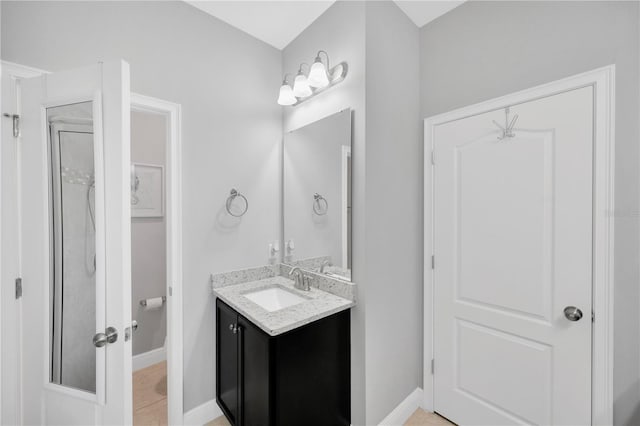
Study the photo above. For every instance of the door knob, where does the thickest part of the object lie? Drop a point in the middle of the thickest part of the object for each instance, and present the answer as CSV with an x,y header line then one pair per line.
x,y
110,335
99,340
572,313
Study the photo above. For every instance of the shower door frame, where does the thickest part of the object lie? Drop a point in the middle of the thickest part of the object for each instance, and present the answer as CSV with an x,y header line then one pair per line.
x,y
173,222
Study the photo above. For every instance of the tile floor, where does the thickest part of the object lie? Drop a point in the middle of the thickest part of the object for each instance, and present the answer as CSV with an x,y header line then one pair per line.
x,y
150,396
419,418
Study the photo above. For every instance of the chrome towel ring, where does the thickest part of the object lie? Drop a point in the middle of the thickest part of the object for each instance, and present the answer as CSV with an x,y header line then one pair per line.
x,y
232,196
320,205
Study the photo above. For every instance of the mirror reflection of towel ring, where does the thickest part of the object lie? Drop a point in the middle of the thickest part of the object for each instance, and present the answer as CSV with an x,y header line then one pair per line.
x,y
320,205
232,196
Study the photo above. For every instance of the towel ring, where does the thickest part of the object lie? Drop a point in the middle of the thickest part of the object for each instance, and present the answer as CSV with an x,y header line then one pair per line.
x,y
232,196
319,200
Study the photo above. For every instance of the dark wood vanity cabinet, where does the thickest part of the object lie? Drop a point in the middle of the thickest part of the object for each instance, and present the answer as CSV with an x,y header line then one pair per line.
x,y
301,377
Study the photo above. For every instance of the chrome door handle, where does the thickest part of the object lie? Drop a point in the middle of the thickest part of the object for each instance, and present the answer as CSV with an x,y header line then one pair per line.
x,y
99,340
111,334
572,313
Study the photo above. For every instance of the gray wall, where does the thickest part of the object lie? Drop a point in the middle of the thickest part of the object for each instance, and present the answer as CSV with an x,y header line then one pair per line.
x,y
227,84
482,50
341,32
393,210
381,46
148,238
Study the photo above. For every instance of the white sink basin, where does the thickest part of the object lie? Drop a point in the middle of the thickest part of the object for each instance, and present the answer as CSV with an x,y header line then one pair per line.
x,y
274,298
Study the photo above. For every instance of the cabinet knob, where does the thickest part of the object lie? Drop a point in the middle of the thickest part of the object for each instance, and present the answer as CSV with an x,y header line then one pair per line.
x,y
233,328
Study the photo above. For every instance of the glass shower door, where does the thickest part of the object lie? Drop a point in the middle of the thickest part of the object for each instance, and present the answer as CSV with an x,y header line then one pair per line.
x,y
73,245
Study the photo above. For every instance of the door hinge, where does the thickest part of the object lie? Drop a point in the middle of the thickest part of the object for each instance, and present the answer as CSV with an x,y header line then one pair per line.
x,y
433,366
433,262
433,157
15,118
593,316
170,291
18,288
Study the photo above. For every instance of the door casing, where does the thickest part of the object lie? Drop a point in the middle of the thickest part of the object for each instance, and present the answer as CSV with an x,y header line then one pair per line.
x,y
173,286
603,82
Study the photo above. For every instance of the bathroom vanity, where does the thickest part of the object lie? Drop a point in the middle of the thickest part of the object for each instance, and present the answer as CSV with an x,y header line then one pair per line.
x,y
283,349
288,366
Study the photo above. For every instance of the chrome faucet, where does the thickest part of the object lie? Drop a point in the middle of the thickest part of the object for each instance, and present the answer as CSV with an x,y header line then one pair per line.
x,y
301,281
324,265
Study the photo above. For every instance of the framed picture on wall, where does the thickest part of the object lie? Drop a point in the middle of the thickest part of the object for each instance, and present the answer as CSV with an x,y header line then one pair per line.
x,y
147,190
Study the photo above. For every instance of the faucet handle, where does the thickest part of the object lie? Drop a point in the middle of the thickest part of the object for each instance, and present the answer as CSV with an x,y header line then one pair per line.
x,y
306,280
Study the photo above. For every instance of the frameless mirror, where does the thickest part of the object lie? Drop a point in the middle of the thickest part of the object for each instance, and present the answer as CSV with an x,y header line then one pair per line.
x,y
72,246
317,196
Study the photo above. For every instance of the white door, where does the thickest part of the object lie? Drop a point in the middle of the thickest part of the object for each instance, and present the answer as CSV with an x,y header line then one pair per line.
x,y
513,249
76,247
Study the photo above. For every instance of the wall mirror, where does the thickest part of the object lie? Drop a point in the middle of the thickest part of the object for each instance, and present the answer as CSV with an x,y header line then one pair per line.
x,y
317,196
72,216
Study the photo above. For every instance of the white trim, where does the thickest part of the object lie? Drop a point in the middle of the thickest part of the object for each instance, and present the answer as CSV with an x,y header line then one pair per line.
x,y
202,414
15,72
603,81
346,155
404,410
173,220
18,71
147,359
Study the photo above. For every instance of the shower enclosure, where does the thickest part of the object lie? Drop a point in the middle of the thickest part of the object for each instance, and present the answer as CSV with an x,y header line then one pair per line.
x,y
72,246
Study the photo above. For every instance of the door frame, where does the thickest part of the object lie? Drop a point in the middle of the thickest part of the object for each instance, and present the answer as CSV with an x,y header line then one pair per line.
x,y
173,223
603,82
10,306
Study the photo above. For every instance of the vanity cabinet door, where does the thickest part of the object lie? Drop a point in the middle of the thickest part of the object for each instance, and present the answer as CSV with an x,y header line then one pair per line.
x,y
227,361
312,373
255,375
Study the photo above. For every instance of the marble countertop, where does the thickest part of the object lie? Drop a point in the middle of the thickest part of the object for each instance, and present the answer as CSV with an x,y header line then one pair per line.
x,y
319,304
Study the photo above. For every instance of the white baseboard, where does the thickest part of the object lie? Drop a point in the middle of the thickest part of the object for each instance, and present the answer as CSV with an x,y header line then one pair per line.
x,y
202,414
404,410
149,358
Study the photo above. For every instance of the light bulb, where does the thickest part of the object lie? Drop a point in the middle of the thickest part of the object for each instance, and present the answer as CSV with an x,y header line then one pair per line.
x,y
318,75
301,87
286,95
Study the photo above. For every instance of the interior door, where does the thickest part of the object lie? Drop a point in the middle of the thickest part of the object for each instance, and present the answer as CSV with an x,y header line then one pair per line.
x,y
513,267
75,230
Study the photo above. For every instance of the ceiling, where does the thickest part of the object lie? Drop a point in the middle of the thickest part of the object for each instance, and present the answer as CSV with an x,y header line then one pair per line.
x,y
278,22
422,12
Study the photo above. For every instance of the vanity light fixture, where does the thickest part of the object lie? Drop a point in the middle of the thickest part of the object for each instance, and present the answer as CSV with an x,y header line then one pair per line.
x,y
320,78
286,96
318,73
301,88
